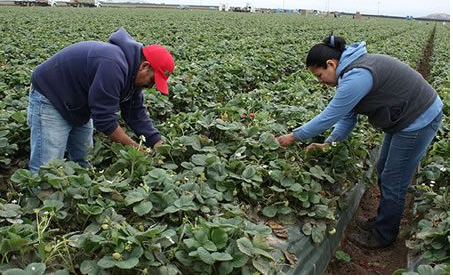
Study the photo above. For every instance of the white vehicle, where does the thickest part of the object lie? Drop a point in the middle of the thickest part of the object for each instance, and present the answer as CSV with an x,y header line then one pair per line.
x,y
224,7
86,3
52,3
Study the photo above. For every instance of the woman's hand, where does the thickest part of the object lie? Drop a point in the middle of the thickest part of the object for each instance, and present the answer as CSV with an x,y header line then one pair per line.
x,y
317,146
286,140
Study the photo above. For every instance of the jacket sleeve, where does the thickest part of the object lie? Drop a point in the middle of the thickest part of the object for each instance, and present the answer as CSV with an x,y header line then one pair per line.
x,y
353,87
104,96
134,113
343,128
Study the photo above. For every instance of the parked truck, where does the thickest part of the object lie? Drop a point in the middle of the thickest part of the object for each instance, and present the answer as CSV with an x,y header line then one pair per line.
x,y
86,3
51,3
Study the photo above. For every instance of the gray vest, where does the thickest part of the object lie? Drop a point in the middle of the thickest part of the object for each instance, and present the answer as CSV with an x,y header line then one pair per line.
x,y
398,96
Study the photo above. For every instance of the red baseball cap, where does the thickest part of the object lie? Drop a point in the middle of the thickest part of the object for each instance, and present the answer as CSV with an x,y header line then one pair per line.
x,y
162,63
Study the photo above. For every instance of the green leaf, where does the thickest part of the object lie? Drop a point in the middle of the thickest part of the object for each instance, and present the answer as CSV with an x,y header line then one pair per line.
x,y
221,256
269,142
329,178
399,271
260,241
135,196
317,172
54,204
183,258
342,256
315,186
187,165
89,267
19,116
136,252
239,260
270,211
143,208
127,264
296,187
205,256
219,237
10,210
276,189
35,269
169,269
60,272
106,262
321,211
307,229
209,245
14,271
198,159
264,253
217,172
425,270
225,268
185,202
262,265
191,243
315,198
245,246
201,235
317,234
249,172
92,210
170,166
239,152
24,176
198,170
155,176
277,175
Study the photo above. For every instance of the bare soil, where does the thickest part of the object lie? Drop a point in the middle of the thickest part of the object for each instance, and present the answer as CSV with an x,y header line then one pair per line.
x,y
366,261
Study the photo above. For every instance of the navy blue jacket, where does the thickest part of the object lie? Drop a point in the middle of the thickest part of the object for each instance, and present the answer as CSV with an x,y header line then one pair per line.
x,y
97,79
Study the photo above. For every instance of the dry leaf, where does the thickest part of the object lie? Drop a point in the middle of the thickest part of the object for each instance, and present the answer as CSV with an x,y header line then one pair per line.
x,y
278,229
290,257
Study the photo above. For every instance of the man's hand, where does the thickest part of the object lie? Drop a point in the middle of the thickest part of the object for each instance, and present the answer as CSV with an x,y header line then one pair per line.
x,y
286,140
120,136
157,144
317,146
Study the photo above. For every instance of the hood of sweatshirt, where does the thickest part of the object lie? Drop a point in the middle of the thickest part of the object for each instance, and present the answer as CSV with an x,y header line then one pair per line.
x,y
350,54
131,50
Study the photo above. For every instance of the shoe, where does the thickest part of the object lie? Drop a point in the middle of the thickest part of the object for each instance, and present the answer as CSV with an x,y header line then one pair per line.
x,y
367,240
366,224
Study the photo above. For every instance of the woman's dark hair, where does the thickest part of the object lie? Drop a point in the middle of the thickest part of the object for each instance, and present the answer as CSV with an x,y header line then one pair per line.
x,y
331,48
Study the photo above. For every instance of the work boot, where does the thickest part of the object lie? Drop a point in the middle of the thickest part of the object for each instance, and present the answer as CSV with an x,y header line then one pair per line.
x,y
366,224
367,240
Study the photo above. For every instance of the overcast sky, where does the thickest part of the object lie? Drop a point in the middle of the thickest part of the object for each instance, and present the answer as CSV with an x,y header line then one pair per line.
x,y
383,7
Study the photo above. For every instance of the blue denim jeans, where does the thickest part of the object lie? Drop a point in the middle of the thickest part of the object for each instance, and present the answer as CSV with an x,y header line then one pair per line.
x,y
398,160
52,135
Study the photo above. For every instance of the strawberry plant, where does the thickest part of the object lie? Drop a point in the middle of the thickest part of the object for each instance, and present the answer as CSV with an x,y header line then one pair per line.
x,y
198,203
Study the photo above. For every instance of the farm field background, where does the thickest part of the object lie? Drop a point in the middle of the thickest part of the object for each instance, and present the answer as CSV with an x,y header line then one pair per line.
x,y
215,198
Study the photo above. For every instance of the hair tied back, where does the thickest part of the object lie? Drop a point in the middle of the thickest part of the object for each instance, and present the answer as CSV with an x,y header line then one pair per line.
x,y
332,41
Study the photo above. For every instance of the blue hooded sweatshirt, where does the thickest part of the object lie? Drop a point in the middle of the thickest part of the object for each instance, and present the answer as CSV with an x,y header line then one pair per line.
x,y
354,85
96,80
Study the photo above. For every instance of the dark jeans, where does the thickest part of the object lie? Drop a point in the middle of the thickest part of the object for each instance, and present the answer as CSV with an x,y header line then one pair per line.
x,y
398,160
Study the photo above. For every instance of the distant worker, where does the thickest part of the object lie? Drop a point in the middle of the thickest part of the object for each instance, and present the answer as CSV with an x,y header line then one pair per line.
x,y
396,99
87,84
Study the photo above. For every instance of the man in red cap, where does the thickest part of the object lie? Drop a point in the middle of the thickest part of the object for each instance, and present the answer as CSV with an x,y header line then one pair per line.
x,y
86,84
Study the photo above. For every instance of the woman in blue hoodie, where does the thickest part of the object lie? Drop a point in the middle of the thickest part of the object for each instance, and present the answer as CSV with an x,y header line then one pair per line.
x,y
396,99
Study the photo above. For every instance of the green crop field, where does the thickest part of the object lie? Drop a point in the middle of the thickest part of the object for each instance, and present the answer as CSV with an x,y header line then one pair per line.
x,y
206,201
